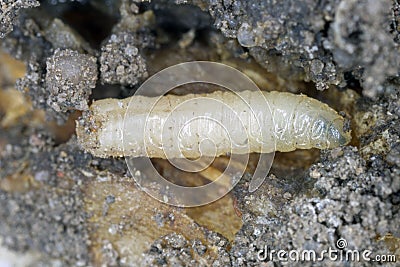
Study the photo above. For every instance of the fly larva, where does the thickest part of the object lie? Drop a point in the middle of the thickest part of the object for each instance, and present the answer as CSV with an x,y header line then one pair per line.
x,y
174,130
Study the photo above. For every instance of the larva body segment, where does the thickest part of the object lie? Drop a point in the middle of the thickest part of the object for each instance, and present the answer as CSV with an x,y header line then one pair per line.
x,y
239,123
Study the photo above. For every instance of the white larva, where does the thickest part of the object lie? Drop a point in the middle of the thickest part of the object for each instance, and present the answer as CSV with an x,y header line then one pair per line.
x,y
238,123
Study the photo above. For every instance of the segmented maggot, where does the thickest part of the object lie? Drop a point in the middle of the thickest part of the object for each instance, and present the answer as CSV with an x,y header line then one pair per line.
x,y
211,124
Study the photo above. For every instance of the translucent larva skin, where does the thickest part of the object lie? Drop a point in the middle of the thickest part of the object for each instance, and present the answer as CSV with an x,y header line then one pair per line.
x,y
286,123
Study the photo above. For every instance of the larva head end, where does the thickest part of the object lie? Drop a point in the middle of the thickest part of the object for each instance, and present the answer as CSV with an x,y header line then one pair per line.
x,y
337,135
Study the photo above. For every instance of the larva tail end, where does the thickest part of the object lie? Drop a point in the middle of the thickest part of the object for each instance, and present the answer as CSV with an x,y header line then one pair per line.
x,y
85,132
338,135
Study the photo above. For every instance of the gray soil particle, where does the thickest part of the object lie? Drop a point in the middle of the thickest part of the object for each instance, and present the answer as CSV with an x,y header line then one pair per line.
x,y
175,250
33,84
9,10
120,61
62,36
70,77
172,249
